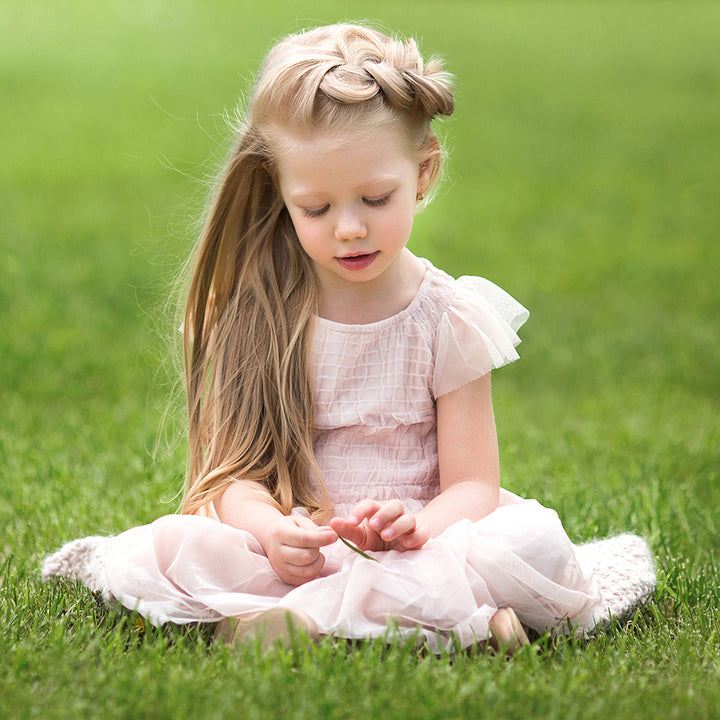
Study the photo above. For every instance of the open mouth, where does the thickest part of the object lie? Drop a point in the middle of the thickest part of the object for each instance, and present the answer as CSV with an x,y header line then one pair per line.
x,y
357,262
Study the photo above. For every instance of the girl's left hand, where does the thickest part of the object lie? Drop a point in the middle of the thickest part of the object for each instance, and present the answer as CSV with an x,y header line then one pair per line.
x,y
377,526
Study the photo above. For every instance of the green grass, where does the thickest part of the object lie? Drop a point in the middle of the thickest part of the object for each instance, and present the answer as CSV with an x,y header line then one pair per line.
x,y
583,175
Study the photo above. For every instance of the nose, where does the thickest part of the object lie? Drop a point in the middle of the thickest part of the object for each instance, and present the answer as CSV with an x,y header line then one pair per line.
x,y
350,226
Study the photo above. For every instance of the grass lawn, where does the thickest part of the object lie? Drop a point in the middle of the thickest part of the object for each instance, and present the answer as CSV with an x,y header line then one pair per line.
x,y
583,177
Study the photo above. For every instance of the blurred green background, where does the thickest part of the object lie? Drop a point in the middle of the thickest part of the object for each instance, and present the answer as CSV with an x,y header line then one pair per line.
x,y
583,176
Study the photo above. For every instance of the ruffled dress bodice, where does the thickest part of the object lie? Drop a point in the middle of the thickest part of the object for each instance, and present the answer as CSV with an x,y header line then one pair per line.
x,y
376,385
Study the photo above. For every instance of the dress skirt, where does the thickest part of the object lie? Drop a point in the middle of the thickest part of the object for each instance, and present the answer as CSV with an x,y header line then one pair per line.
x,y
186,568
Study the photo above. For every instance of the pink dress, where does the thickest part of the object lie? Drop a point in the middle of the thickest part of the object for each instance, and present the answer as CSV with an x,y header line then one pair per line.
x,y
375,388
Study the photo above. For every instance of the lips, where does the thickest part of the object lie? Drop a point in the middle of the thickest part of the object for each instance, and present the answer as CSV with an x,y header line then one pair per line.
x,y
357,262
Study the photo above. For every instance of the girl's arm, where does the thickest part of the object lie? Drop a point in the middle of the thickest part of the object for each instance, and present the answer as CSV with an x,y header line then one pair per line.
x,y
292,544
469,478
468,458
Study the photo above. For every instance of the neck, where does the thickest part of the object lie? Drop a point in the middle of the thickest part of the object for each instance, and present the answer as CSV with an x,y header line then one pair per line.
x,y
367,302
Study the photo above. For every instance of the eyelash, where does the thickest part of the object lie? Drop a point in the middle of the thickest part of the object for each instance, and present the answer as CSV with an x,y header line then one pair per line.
x,y
378,202
371,202
314,213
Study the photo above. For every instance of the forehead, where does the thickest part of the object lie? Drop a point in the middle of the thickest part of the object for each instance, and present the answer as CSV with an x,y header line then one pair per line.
x,y
348,127
320,159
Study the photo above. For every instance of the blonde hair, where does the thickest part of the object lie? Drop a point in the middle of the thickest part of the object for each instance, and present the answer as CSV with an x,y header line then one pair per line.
x,y
253,292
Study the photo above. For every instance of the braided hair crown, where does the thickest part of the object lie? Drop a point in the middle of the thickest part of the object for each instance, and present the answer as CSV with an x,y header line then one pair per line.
x,y
348,65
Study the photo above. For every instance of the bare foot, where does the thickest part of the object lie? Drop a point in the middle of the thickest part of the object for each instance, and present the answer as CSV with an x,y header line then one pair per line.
x,y
507,632
276,624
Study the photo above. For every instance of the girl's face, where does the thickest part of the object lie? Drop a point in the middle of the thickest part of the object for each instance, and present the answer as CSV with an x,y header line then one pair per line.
x,y
352,202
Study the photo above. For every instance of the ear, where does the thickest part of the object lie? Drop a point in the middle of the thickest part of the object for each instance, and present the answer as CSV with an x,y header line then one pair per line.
x,y
424,174
429,167
427,175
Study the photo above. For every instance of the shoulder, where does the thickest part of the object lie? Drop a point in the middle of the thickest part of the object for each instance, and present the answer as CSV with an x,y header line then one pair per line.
x,y
437,292
473,295
476,329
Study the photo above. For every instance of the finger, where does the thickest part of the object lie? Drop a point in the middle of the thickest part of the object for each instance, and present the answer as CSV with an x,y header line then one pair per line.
x,y
307,536
318,539
309,571
301,557
363,510
348,530
304,522
322,534
405,524
387,515
321,538
414,540
342,526
299,574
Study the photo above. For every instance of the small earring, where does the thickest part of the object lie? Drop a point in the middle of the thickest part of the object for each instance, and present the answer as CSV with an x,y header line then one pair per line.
x,y
420,196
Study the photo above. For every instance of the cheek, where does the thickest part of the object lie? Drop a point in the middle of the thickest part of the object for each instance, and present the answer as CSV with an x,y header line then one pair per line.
x,y
300,224
306,232
399,225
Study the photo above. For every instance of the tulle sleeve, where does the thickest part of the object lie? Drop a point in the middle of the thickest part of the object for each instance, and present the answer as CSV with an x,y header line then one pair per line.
x,y
477,333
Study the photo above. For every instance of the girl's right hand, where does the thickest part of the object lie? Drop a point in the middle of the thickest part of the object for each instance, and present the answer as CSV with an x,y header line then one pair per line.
x,y
293,548
374,525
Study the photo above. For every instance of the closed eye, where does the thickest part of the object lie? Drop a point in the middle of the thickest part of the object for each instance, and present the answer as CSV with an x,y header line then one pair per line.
x,y
370,202
311,213
378,202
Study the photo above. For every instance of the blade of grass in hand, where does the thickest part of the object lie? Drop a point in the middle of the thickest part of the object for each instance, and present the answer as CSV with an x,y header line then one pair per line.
x,y
357,549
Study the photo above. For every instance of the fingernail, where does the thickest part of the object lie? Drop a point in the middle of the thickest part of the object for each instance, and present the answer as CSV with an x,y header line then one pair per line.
x,y
387,534
352,519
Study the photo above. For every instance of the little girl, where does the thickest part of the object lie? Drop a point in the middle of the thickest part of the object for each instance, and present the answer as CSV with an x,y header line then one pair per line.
x,y
339,393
